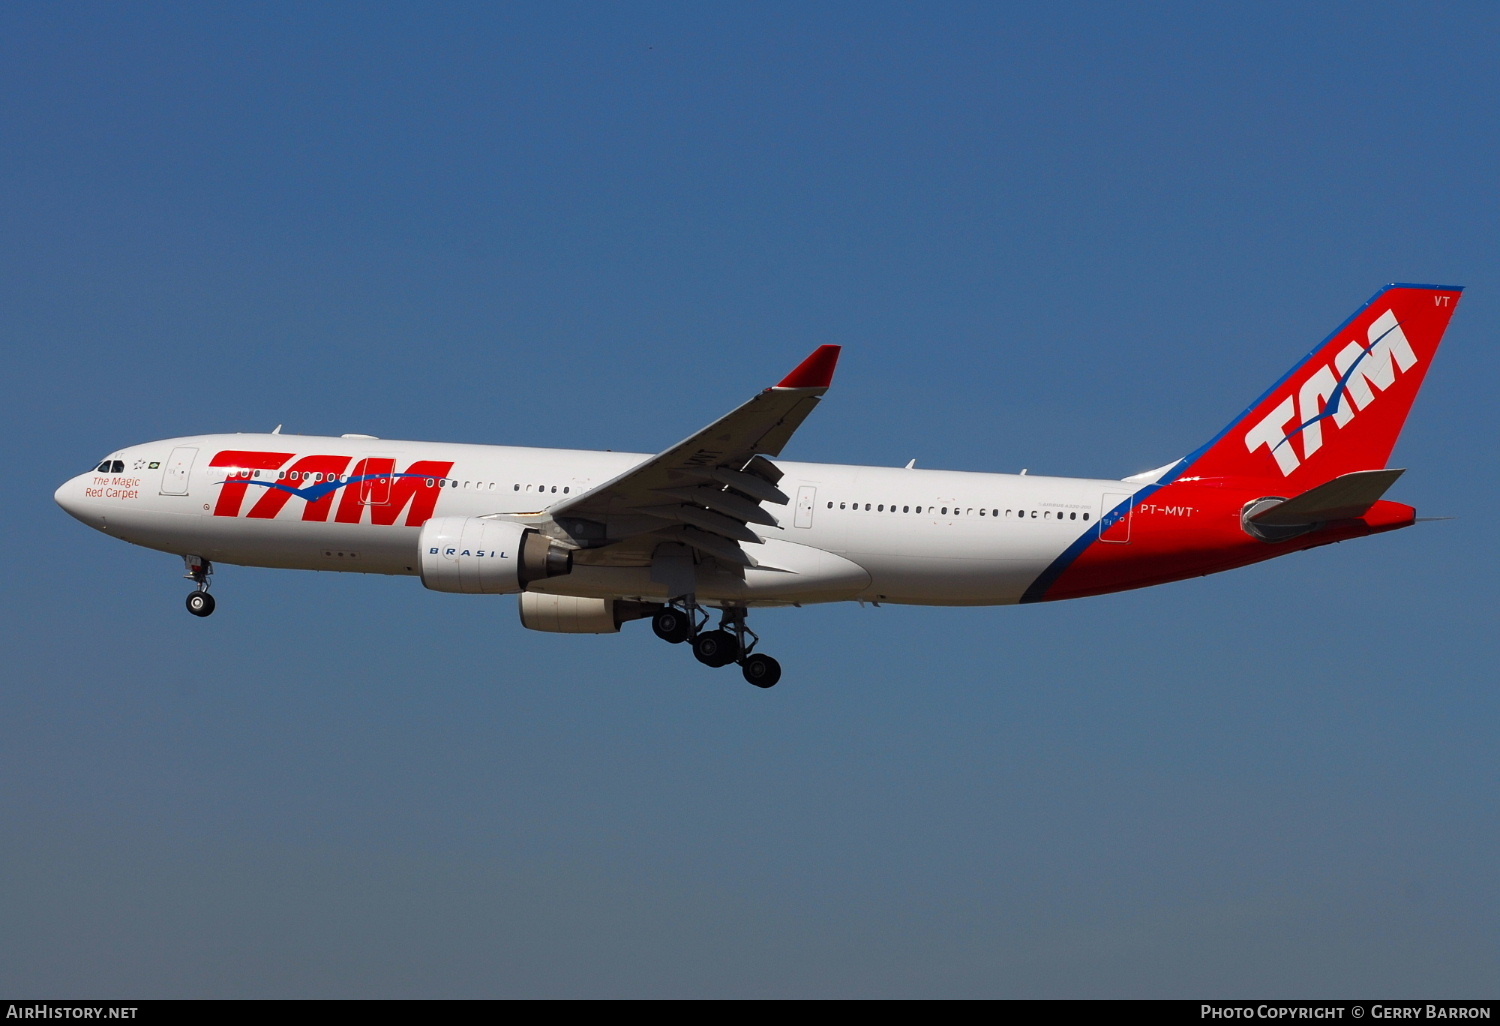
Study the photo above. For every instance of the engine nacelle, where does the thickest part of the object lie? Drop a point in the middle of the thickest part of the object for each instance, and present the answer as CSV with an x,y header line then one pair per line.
x,y
475,555
566,614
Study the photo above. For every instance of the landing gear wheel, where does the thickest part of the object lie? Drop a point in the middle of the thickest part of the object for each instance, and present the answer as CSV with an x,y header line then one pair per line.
x,y
200,603
761,670
716,648
672,625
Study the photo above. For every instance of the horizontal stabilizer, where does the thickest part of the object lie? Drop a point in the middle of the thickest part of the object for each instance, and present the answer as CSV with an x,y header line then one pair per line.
x,y
1345,497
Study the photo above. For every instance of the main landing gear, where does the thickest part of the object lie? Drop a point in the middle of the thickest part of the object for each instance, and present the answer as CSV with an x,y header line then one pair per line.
x,y
733,642
199,570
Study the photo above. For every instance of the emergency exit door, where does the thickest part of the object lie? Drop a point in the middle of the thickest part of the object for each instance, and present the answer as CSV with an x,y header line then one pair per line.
x,y
1112,513
807,498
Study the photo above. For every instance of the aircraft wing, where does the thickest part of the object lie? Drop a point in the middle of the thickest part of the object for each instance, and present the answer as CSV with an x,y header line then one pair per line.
x,y
705,490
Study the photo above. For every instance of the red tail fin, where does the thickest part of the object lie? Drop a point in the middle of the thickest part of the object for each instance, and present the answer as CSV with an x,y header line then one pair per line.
x,y
1342,407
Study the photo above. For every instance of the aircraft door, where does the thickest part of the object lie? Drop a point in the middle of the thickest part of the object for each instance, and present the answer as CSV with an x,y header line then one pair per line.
x,y
374,479
807,498
1110,516
174,477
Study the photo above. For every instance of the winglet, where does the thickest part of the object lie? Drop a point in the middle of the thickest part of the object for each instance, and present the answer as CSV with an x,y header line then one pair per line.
x,y
814,372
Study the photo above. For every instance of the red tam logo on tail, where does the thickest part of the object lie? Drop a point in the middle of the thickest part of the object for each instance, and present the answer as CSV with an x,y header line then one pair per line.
x,y
1339,392
1342,408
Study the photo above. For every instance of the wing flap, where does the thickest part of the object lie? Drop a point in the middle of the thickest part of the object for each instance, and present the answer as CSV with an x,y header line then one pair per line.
x,y
756,486
720,501
706,519
709,544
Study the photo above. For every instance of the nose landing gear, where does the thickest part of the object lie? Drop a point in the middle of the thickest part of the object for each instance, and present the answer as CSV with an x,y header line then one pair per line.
x,y
199,570
732,642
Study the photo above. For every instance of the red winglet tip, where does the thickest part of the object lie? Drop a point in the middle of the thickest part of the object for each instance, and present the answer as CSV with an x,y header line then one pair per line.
x,y
814,372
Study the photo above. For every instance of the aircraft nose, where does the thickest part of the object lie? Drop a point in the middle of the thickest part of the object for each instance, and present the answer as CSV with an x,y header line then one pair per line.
x,y
70,497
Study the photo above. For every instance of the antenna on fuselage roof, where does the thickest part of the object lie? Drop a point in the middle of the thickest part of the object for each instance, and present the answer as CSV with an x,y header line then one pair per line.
x,y
911,464
277,431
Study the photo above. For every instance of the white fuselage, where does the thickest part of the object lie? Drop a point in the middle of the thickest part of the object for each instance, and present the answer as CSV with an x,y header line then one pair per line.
x,y
869,533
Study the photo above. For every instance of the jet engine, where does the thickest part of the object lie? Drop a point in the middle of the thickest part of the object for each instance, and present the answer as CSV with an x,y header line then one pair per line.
x,y
476,555
565,614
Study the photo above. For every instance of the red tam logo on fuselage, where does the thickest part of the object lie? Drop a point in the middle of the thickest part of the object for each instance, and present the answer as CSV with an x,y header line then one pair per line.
x,y
319,480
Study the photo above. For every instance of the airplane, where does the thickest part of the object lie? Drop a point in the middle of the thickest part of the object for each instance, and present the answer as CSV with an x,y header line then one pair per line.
x,y
592,540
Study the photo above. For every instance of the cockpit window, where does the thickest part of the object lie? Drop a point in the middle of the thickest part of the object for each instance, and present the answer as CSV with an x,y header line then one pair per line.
x,y
103,468
111,467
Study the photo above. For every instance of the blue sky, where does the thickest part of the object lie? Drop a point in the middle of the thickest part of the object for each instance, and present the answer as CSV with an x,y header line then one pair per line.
x,y
1074,238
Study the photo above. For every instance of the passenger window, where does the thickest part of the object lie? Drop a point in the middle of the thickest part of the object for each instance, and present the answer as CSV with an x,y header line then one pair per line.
x,y
906,509
516,487
1072,516
841,505
945,511
1085,516
565,491
880,508
867,507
